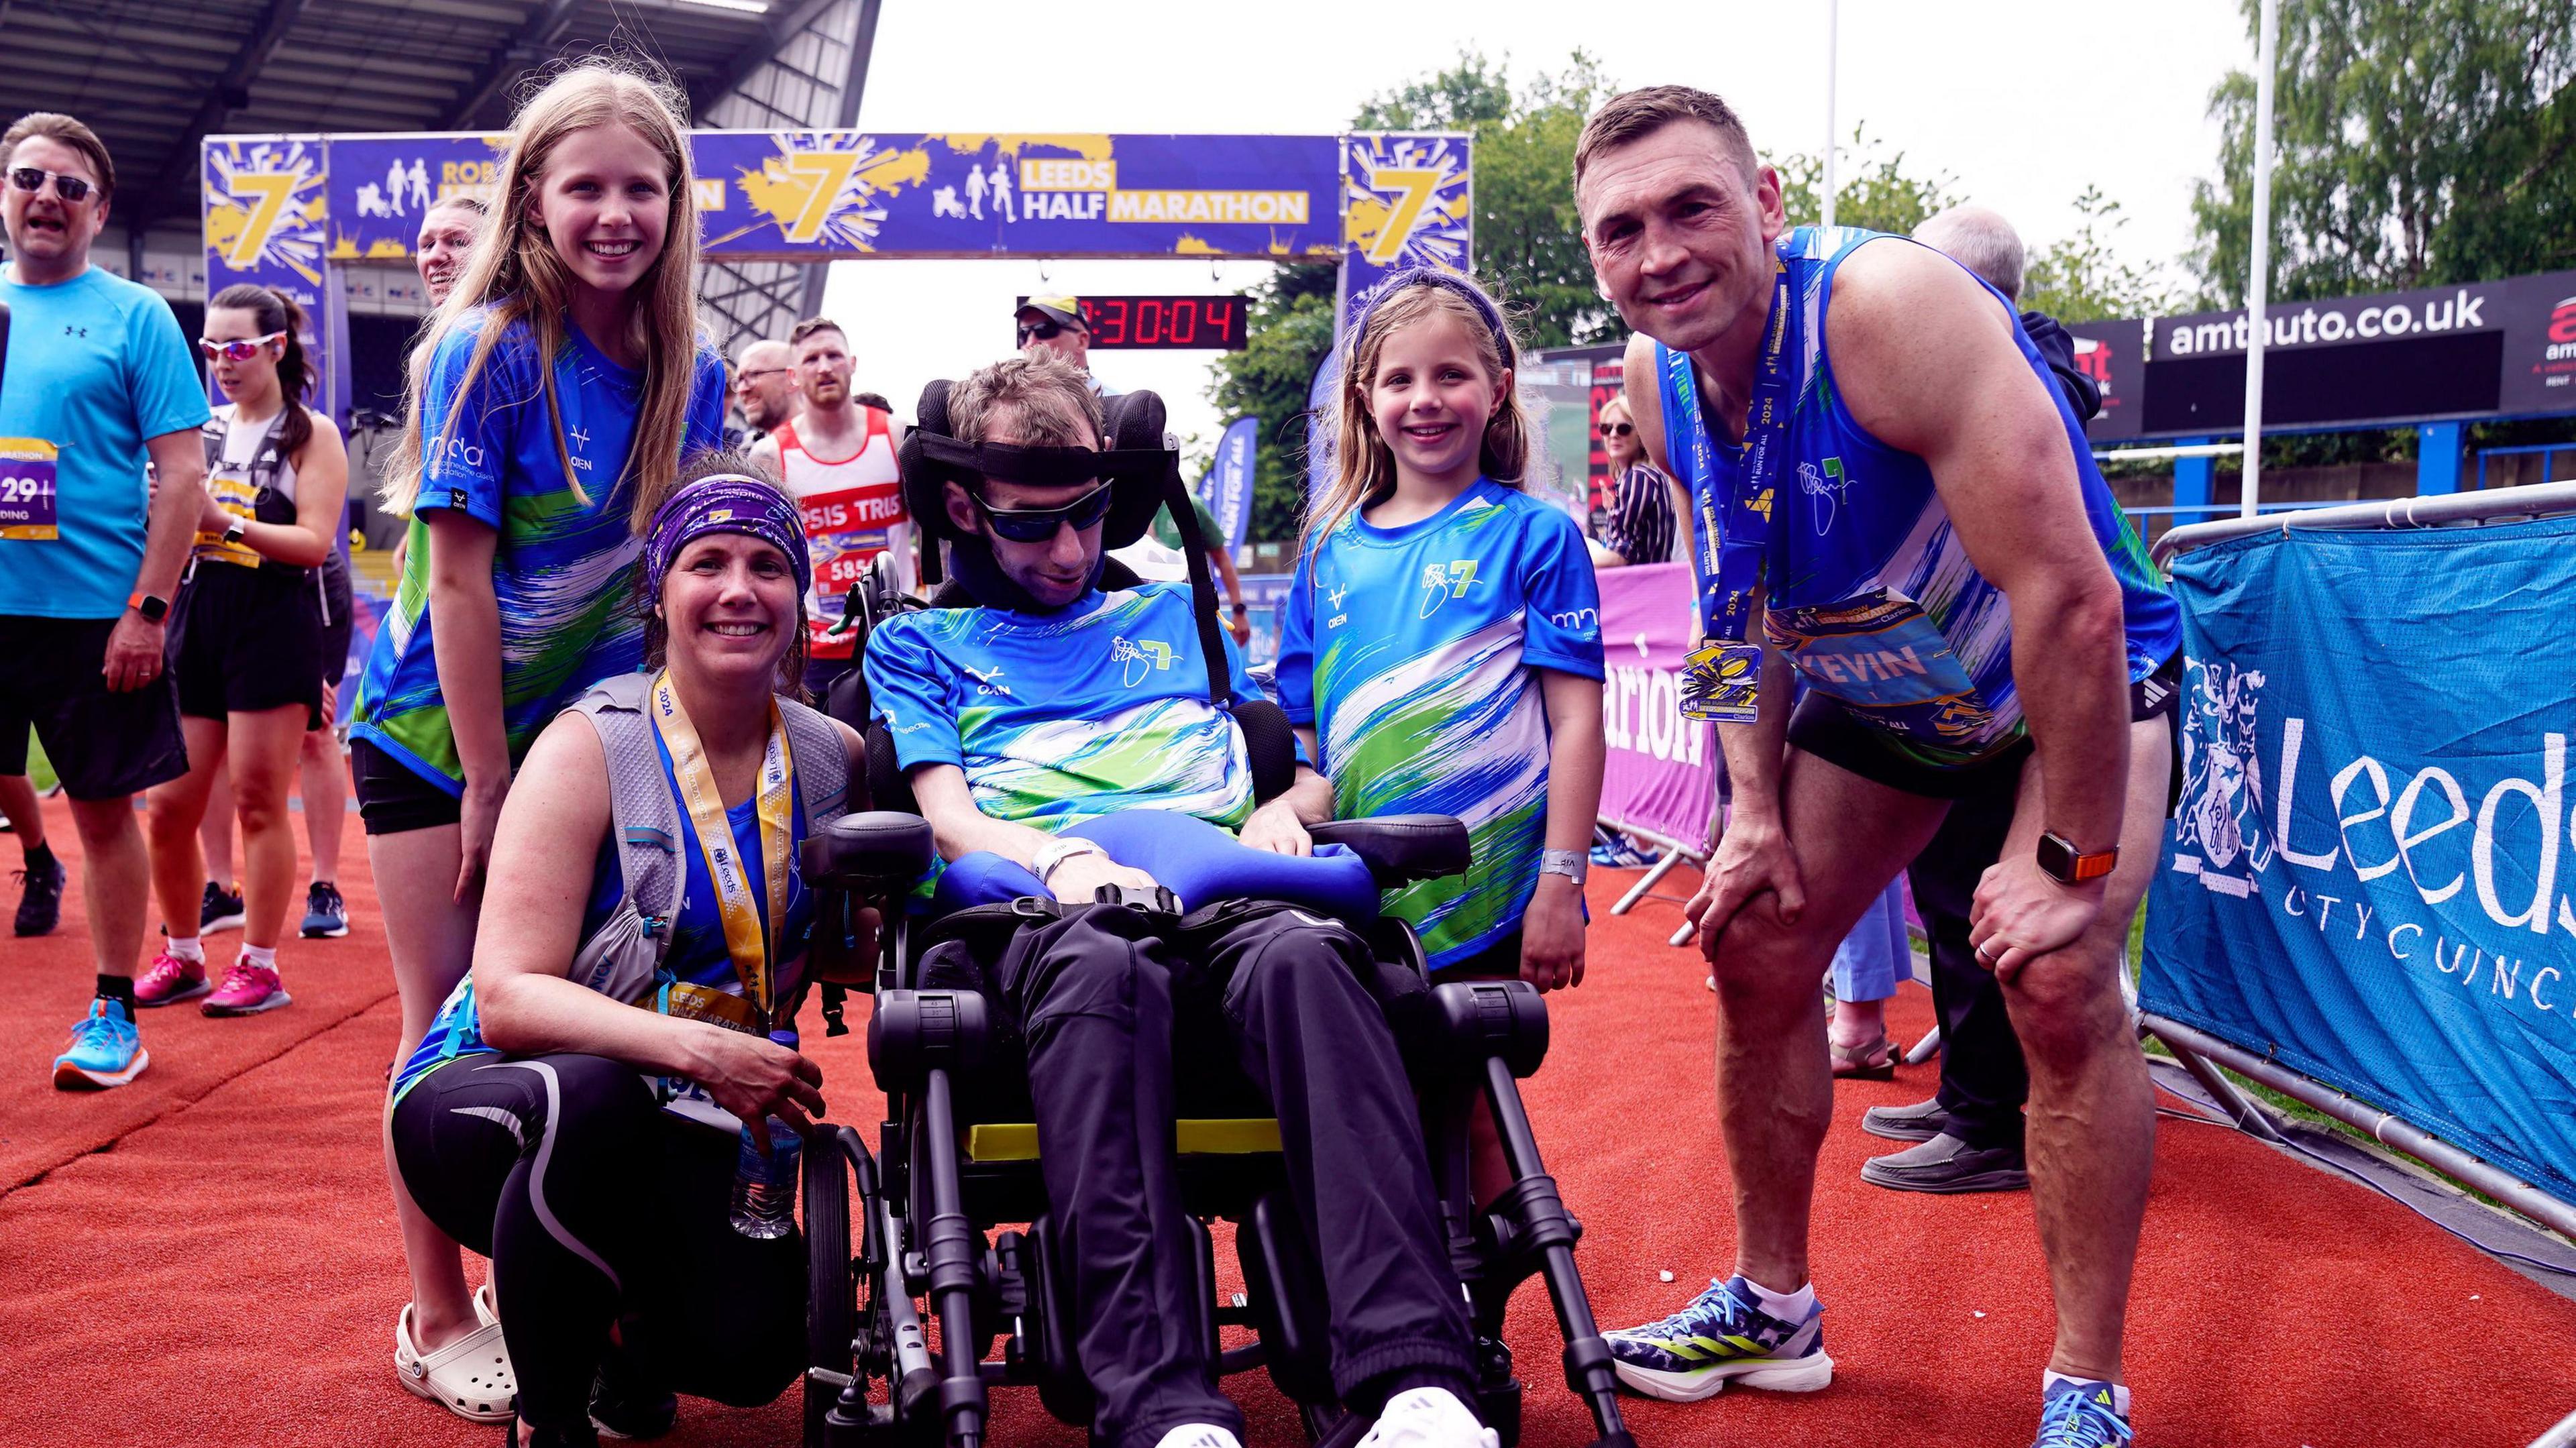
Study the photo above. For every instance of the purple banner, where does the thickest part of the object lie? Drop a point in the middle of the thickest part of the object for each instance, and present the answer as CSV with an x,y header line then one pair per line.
x,y
1662,769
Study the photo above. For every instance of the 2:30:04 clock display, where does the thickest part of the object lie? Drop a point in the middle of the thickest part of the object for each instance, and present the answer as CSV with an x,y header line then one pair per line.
x,y
1213,324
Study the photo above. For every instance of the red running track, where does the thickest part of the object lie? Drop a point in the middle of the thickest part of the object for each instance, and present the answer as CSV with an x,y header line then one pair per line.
x,y
209,1257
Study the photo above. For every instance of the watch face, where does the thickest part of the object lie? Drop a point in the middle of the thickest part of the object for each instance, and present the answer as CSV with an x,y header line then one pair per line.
x,y
2057,857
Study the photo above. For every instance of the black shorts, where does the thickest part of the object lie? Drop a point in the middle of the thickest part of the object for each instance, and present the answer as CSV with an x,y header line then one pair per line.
x,y
105,746
1823,727
243,640
392,799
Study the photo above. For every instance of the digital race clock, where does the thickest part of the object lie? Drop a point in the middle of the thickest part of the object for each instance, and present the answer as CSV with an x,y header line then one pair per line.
x,y
1208,323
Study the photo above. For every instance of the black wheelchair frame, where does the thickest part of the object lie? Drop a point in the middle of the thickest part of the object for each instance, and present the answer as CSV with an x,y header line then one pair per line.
x,y
925,1202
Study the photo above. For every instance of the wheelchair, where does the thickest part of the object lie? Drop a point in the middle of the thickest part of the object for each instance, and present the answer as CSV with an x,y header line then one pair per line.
x,y
904,1235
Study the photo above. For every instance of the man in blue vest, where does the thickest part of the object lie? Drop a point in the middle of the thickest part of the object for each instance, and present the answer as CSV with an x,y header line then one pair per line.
x,y
1890,498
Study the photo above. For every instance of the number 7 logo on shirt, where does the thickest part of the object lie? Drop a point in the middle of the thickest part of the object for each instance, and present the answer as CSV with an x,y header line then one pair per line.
x,y
1440,584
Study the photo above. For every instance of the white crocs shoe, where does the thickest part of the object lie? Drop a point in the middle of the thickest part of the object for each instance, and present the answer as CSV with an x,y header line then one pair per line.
x,y
1429,1418
469,1377
1198,1435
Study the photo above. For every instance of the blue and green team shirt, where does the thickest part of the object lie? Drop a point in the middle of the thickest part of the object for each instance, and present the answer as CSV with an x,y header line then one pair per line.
x,y
97,367
1409,651
698,951
1871,593
564,566
1065,717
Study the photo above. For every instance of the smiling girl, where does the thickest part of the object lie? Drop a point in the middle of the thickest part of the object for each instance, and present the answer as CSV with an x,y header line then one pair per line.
x,y
562,381
1442,640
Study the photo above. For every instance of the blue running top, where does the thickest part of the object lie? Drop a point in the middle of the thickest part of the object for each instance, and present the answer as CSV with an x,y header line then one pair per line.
x,y
1870,591
698,955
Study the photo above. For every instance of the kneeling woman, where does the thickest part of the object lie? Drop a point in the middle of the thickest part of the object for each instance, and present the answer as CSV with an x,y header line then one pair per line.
x,y
577,1110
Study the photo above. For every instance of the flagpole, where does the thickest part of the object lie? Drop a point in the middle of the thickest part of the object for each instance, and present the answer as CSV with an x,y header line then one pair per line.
x,y
1833,37
2258,287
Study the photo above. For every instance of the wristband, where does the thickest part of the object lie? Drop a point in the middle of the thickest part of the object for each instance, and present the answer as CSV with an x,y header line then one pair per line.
x,y
1056,852
1572,864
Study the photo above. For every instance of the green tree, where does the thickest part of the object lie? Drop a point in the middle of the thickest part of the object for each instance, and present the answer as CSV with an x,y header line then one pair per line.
x,y
2078,278
2416,142
1288,331
1873,190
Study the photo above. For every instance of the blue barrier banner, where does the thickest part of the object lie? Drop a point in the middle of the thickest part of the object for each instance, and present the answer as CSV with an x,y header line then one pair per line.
x,y
2369,876
1228,488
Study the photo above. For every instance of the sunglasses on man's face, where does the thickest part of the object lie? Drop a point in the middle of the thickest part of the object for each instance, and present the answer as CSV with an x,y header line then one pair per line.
x,y
1617,429
240,349
31,179
1039,525
1041,331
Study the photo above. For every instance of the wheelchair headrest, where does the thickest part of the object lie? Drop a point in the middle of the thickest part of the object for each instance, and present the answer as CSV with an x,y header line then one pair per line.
x,y
1133,457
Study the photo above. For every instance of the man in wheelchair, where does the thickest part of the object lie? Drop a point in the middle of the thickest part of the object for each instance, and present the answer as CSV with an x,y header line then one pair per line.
x,y
1065,740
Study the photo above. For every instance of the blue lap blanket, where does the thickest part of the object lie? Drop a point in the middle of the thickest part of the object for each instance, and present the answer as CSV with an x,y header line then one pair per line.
x,y
1200,862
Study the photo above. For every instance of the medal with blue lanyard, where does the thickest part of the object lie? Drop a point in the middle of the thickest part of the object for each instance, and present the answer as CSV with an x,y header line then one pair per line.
x,y
1722,679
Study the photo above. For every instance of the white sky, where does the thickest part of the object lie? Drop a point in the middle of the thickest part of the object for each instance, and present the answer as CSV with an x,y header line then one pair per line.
x,y
2023,102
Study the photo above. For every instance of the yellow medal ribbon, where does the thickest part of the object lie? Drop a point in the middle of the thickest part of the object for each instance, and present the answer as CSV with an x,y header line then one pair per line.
x,y
754,952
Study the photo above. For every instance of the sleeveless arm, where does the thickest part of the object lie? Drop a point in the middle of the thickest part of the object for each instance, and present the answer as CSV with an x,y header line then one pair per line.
x,y
1642,384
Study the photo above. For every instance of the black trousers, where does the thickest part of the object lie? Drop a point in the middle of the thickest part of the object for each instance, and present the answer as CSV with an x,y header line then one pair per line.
x,y
1098,1000
1984,1081
598,1207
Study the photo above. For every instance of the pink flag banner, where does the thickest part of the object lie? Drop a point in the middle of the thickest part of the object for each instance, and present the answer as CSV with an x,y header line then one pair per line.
x,y
1663,770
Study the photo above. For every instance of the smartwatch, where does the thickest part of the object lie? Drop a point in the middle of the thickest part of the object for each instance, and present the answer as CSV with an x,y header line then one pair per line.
x,y
2064,864
1572,864
153,609
1056,852
233,533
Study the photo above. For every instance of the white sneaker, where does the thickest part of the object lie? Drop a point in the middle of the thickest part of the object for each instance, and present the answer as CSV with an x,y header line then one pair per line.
x,y
1429,1418
1198,1435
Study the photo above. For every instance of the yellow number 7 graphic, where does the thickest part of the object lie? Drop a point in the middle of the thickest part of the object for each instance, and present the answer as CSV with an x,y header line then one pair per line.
x,y
268,193
830,172
1417,184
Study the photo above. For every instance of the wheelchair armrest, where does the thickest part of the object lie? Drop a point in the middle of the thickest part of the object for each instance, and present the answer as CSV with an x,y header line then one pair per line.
x,y
869,853
1400,849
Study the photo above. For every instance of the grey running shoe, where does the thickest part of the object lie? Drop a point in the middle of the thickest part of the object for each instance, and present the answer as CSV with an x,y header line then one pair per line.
x,y
1947,1164
1921,1121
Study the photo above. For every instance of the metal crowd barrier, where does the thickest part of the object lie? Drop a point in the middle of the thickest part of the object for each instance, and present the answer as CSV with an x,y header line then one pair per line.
x,y
2195,1050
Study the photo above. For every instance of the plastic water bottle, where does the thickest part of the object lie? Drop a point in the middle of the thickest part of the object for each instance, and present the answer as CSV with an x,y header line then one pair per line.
x,y
764,1181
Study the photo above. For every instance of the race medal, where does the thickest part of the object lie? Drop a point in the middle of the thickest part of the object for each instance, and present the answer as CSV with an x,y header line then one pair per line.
x,y
1720,683
1732,530
27,497
753,949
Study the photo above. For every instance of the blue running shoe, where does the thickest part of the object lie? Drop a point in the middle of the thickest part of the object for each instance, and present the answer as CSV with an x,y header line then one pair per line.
x,y
326,915
2079,1414
106,1051
1723,1334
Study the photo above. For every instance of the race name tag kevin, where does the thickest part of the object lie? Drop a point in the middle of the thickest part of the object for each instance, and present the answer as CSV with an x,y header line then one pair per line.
x,y
27,498
1722,683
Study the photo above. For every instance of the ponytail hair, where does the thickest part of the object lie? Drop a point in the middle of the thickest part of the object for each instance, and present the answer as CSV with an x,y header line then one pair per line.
x,y
274,311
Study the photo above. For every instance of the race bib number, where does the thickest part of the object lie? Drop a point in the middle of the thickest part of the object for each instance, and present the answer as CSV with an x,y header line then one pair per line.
x,y
1881,655
235,494
27,495
845,530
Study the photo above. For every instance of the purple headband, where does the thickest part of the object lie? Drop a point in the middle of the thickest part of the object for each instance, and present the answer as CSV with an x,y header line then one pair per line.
x,y
727,503
1451,282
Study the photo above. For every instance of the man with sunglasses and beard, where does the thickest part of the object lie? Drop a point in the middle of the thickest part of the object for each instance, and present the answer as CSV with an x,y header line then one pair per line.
x,y
98,383
1056,711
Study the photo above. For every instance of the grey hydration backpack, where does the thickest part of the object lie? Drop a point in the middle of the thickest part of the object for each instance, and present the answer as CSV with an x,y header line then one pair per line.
x,y
622,959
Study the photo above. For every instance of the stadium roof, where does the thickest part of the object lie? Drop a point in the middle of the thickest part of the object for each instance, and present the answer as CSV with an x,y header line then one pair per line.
x,y
154,76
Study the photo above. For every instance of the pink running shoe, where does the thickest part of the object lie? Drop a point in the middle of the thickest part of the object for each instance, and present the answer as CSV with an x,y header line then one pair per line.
x,y
170,979
247,990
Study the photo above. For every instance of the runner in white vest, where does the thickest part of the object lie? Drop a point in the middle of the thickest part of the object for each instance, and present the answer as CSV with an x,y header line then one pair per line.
x,y
838,458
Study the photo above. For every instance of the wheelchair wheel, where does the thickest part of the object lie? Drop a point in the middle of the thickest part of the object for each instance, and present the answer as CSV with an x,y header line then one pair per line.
x,y
831,1288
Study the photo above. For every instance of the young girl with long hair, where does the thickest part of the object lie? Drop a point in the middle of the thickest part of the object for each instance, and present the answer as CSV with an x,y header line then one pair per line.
x,y
561,382
1440,651
246,647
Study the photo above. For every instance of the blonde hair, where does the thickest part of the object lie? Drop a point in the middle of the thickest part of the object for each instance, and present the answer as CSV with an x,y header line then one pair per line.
x,y
1363,465
515,274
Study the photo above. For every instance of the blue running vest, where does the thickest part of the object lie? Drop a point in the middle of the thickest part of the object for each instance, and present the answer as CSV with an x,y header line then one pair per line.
x,y
1870,592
